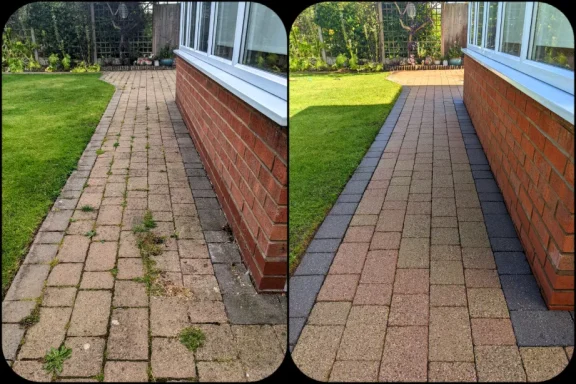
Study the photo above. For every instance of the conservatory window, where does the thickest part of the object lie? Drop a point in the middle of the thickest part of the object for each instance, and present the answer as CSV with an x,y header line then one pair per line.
x,y
242,45
480,23
472,23
512,28
553,41
184,24
265,44
491,25
225,28
204,26
192,28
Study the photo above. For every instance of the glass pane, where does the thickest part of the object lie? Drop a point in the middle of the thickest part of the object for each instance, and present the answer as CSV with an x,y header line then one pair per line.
x,y
553,38
193,7
480,24
225,28
204,26
184,24
512,26
472,23
491,27
265,45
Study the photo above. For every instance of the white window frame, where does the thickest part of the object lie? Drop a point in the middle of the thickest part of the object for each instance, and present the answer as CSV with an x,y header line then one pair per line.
x,y
555,76
269,82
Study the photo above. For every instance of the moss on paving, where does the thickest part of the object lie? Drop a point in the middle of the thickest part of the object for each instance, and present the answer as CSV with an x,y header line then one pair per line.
x,y
334,119
47,121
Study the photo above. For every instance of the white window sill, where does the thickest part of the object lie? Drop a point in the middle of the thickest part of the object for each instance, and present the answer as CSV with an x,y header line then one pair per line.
x,y
556,100
266,103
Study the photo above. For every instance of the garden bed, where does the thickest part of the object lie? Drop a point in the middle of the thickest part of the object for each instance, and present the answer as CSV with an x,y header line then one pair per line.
x,y
422,67
136,67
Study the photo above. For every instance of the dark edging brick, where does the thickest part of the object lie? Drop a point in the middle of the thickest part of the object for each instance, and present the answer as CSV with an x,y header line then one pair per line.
x,y
308,278
534,324
243,304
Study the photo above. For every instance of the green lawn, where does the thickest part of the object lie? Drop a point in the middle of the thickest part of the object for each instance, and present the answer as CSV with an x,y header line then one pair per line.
x,y
47,120
333,121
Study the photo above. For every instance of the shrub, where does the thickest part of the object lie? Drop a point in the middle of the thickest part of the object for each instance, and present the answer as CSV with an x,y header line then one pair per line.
x,y
353,62
320,65
340,61
66,62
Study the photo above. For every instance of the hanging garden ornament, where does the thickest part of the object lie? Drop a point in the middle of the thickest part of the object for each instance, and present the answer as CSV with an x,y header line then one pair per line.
x,y
123,10
411,10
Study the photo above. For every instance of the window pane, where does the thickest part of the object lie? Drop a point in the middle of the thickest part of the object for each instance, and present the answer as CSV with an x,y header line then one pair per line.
x,y
225,28
480,24
553,38
491,27
204,26
193,7
512,26
265,45
472,23
184,24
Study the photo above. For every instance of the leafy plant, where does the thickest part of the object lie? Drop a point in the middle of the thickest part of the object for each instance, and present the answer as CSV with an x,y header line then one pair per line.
x,y
53,61
192,338
455,51
166,52
17,55
66,62
54,359
341,61
353,62
87,208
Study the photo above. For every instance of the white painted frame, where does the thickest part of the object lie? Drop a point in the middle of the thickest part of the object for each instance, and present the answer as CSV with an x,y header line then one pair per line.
x,y
555,76
269,82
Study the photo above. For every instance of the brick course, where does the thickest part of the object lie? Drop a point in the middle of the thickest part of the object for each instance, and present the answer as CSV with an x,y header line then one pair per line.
x,y
531,153
245,156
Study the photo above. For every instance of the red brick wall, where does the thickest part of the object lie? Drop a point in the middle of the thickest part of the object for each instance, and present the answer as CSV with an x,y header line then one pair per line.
x,y
245,155
531,152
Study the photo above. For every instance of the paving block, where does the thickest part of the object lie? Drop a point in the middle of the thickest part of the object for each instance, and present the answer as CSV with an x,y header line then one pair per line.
x,y
543,328
522,293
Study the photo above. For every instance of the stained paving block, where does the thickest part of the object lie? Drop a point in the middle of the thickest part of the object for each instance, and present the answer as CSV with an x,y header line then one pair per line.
x,y
11,336
28,282
90,314
170,358
47,333
86,358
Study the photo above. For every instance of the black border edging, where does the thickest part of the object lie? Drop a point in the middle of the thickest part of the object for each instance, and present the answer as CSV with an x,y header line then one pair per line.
x,y
534,324
307,280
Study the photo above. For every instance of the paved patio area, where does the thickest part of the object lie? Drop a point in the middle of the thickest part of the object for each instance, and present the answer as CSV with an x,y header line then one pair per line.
x,y
84,281
417,273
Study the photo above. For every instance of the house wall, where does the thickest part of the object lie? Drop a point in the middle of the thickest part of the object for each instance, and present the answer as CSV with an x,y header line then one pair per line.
x,y
531,152
245,156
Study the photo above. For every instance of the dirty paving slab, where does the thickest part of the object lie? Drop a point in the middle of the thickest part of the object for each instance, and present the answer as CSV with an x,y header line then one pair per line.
x,y
119,293
414,292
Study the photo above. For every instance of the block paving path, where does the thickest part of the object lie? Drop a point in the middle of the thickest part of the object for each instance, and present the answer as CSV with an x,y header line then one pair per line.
x,y
93,299
413,292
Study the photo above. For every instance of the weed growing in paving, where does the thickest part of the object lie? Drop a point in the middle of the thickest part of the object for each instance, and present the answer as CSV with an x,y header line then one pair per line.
x,y
90,234
32,318
147,223
99,152
54,263
116,144
114,271
99,377
192,338
87,208
54,359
